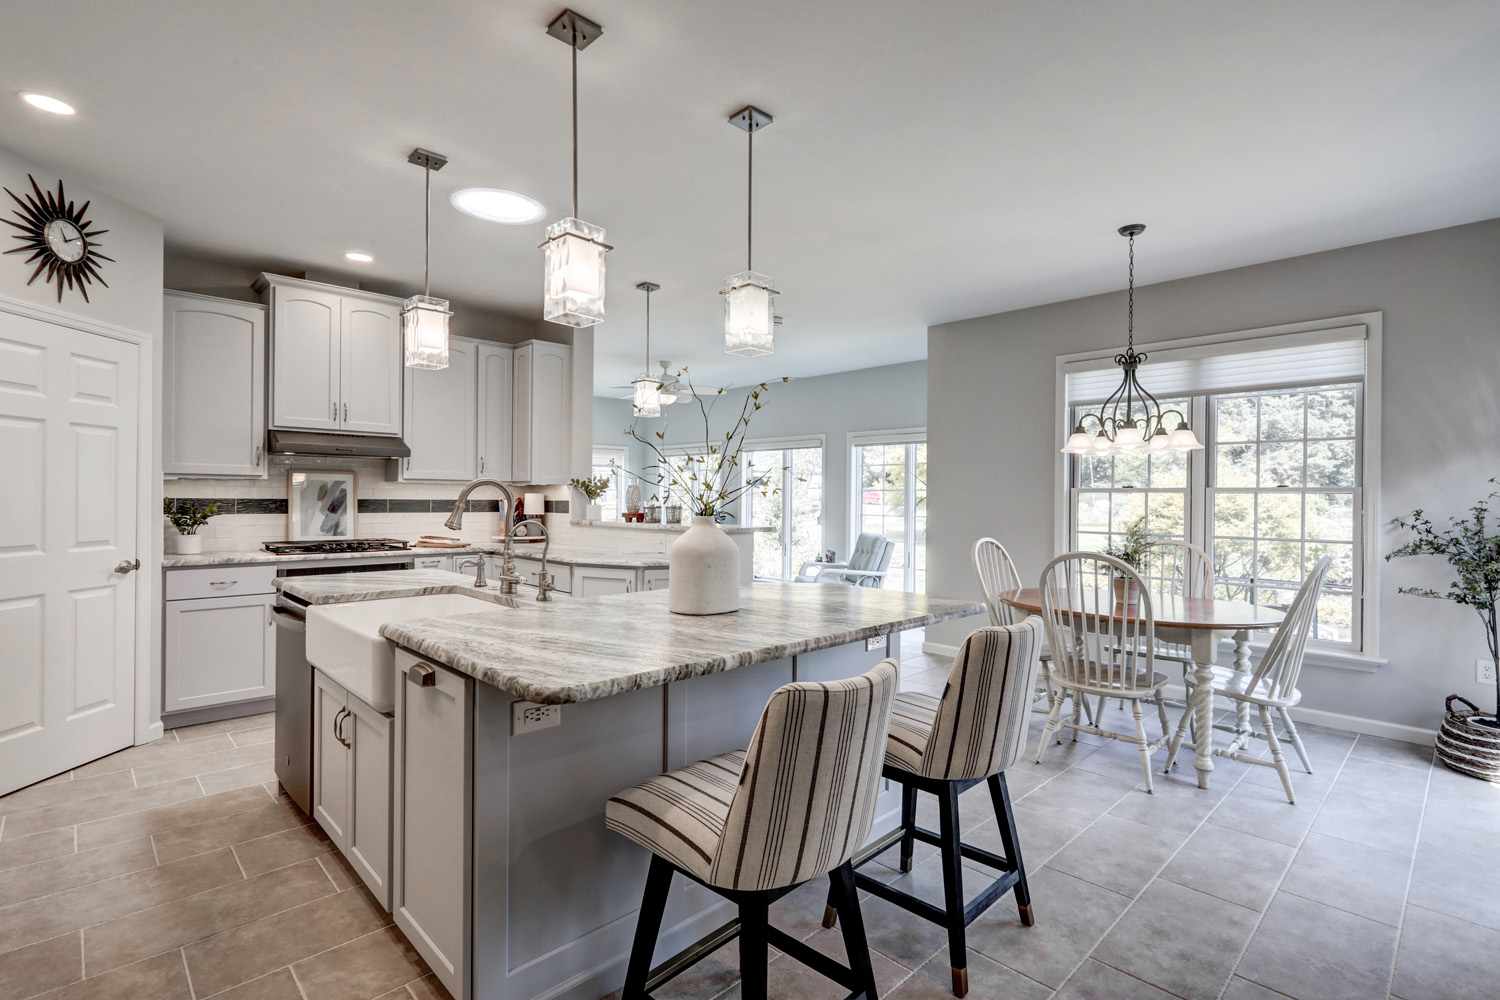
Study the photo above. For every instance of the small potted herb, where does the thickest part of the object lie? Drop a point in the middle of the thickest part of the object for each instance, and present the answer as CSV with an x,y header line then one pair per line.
x,y
187,517
593,487
1131,551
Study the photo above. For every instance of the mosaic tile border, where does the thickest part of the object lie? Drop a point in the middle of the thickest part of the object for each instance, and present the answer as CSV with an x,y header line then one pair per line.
x,y
266,505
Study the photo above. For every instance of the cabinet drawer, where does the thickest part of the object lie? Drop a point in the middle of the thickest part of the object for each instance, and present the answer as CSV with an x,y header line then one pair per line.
x,y
219,581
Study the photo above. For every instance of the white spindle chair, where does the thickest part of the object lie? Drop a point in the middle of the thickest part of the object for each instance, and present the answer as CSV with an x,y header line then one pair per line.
x,y
1271,685
1104,655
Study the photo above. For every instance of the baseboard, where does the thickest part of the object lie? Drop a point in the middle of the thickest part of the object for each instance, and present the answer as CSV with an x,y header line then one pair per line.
x,y
217,713
940,648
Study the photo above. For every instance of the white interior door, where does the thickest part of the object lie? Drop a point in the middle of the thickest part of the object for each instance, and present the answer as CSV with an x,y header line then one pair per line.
x,y
68,430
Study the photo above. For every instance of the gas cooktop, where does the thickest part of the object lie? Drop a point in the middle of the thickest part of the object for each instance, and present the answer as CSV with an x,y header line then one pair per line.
x,y
335,545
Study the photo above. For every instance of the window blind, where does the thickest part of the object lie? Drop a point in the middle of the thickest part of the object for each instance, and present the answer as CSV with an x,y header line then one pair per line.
x,y
1310,358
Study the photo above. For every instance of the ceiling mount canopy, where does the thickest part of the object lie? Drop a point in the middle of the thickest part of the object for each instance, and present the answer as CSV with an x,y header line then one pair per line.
x,y
573,271
749,323
424,319
1131,418
648,399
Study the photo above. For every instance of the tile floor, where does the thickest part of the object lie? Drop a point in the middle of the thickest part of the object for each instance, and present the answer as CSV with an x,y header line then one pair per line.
x,y
174,871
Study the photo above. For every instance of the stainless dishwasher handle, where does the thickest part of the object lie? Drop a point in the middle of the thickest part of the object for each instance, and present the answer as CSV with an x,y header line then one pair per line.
x,y
422,675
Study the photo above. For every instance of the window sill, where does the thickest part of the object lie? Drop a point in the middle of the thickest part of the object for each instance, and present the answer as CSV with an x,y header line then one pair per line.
x,y
1313,656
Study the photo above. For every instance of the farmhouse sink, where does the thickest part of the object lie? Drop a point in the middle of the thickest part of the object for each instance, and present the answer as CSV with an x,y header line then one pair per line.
x,y
344,641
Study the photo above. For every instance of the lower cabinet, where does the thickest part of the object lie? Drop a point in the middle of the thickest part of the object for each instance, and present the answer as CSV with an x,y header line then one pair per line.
x,y
655,579
584,581
596,581
217,651
433,562
351,792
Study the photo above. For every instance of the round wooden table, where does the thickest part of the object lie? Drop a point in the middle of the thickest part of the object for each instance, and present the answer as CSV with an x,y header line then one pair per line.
x,y
1192,621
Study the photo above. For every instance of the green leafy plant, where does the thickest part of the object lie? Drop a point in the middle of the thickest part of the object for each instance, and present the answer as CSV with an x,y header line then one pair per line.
x,y
1131,550
186,516
593,487
1472,548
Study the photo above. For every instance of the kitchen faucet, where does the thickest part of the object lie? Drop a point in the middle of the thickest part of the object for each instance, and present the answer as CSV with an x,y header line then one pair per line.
x,y
544,584
507,577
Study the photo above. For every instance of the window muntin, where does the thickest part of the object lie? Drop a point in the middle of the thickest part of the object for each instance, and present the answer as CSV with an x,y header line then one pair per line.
x,y
610,463
891,480
798,474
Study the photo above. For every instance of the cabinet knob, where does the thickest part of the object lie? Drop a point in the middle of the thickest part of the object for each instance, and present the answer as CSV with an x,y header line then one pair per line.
x,y
422,675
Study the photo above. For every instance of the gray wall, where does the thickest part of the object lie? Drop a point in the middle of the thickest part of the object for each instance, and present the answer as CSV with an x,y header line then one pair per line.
x,y
993,429
870,399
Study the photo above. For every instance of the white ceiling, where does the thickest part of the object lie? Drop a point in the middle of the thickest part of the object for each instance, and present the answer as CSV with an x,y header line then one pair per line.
x,y
929,161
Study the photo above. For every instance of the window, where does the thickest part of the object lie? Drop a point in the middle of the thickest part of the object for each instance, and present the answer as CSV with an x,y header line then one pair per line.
x,y
610,462
1279,482
890,499
795,513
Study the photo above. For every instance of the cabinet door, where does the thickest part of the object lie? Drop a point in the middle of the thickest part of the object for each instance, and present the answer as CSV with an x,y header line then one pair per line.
x,y
440,417
656,579
551,413
217,651
433,562
330,779
304,358
370,366
520,432
369,830
213,387
496,392
596,581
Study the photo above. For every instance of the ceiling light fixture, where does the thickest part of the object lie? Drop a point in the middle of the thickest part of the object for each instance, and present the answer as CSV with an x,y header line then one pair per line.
x,y
424,319
748,295
46,103
358,258
573,272
647,386
508,208
1119,429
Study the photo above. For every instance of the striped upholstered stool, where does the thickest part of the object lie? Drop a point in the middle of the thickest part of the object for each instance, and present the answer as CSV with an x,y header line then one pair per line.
x,y
947,745
755,824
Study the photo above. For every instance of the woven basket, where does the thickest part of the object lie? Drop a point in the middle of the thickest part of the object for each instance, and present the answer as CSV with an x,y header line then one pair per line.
x,y
1467,747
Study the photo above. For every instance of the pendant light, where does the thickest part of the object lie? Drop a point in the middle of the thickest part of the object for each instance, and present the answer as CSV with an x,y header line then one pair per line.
x,y
424,320
748,296
1118,428
573,272
647,386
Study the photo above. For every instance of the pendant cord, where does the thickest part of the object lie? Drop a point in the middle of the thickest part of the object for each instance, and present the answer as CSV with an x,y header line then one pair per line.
x,y
427,234
648,333
575,122
749,197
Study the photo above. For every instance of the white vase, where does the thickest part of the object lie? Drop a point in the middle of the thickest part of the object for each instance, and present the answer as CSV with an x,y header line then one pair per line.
x,y
705,571
595,512
185,545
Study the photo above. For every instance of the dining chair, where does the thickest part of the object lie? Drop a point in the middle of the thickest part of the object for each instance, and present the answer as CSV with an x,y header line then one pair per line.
x,y
1271,685
997,574
1180,569
1101,646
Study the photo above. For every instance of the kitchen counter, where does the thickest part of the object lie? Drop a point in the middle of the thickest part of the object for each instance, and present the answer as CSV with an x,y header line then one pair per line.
x,y
346,588
562,554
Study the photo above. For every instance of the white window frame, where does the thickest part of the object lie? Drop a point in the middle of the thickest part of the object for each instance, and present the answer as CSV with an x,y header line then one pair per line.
x,y
861,439
818,441
621,457
1367,554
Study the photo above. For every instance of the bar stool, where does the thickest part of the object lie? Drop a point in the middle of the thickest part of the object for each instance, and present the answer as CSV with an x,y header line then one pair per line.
x,y
753,825
946,746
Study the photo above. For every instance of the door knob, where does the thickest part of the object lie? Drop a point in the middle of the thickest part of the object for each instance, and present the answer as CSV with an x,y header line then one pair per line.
x,y
127,565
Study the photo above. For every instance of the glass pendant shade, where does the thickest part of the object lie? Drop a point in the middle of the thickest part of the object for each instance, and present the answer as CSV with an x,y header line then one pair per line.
x,y
1079,443
424,321
1158,442
1183,439
647,395
574,273
1129,438
749,322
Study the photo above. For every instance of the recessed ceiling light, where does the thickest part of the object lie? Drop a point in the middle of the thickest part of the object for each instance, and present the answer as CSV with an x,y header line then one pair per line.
x,y
498,205
362,258
46,103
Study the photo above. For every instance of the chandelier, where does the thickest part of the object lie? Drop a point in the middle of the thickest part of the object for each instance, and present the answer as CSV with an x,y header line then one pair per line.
x,y
424,319
1131,418
748,296
648,395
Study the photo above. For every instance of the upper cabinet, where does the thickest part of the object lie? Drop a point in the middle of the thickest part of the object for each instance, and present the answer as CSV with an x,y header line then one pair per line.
x,y
542,413
496,392
335,357
213,386
440,422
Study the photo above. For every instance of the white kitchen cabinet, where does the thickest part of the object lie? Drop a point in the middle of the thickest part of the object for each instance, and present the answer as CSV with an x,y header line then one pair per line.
x,y
218,651
654,579
335,357
530,570
433,562
213,387
542,413
351,794
494,408
597,581
440,421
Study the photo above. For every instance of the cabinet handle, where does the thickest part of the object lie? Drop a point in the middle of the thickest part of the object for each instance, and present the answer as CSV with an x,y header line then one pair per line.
x,y
257,456
335,414
481,465
338,728
422,675
221,584
346,412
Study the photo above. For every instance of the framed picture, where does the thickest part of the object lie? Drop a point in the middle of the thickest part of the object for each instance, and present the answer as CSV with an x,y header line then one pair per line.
x,y
320,504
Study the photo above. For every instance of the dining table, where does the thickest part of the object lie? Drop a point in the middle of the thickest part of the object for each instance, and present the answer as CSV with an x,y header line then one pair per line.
x,y
1198,623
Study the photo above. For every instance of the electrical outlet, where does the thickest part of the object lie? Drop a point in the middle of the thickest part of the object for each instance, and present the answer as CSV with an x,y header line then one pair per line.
x,y
661,545
1484,671
875,642
528,717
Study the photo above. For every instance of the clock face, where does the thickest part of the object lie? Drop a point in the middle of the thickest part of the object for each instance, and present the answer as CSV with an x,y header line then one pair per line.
x,y
66,240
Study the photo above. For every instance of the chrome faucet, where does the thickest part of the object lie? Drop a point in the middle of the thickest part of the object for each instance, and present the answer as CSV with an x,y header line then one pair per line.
x,y
544,584
507,578
478,564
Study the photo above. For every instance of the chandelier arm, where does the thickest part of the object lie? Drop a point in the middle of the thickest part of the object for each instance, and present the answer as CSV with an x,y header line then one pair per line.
x,y
1149,403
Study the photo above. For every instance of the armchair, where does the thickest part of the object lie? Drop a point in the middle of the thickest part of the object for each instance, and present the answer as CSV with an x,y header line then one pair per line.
x,y
866,567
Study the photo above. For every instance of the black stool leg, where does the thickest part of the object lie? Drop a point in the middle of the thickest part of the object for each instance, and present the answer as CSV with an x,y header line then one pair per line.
x,y
856,947
908,823
1000,795
754,947
647,927
953,888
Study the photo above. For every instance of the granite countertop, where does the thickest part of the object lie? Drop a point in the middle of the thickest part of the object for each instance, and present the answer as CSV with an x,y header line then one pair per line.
x,y
582,650
562,554
346,588
729,529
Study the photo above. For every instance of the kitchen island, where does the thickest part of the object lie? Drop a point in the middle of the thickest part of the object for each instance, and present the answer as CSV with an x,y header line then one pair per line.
x,y
512,726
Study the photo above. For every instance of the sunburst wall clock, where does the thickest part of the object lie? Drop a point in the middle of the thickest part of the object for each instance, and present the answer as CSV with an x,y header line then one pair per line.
x,y
57,235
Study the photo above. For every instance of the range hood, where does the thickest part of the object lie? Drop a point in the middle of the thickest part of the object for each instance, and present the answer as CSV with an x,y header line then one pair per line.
x,y
349,445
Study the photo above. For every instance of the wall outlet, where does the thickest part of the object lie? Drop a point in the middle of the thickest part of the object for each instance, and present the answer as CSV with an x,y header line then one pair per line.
x,y
1484,671
528,717
876,642
661,544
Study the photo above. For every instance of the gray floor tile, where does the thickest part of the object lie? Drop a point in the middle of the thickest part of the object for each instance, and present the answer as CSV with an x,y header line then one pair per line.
x,y
1118,854
1244,989
1239,867
1264,812
1094,981
1071,918
1077,796
1456,883
1351,877
1180,940
1362,818
1388,782
1176,803
933,981
1444,958
1405,754
1314,952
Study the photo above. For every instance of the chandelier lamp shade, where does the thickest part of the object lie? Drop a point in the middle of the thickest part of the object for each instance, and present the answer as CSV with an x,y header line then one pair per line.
x,y
424,319
749,317
573,266
1131,418
648,394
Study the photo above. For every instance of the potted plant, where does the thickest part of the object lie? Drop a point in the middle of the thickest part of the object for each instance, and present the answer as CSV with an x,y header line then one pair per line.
x,y
1131,551
1469,741
593,487
187,517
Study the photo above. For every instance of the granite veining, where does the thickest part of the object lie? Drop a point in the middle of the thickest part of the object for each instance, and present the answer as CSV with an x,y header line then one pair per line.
x,y
346,588
583,650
